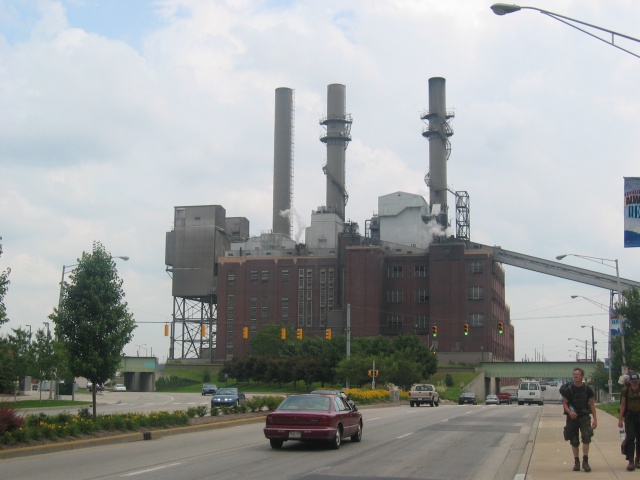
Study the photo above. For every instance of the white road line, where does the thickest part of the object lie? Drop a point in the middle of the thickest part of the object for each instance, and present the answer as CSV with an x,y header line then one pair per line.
x,y
139,472
371,419
405,435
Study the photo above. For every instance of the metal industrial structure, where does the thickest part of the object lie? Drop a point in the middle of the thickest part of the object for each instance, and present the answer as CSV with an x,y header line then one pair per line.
x,y
405,275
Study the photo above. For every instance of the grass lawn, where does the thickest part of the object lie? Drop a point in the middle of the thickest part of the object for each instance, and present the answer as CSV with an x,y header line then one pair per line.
x,y
49,403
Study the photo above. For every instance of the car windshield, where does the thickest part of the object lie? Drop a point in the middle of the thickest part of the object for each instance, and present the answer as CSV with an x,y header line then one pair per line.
x,y
305,403
208,385
468,394
227,391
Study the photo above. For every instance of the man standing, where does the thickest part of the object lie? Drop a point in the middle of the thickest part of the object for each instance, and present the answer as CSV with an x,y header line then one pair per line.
x,y
578,404
630,410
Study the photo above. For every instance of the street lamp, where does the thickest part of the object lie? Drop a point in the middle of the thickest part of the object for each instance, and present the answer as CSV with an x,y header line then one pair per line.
x,y
593,342
585,346
602,261
504,9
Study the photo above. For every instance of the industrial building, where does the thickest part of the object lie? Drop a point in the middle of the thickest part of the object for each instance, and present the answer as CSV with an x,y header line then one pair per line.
x,y
402,275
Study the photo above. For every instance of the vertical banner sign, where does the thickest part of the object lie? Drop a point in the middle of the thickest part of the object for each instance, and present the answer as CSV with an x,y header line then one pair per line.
x,y
631,212
614,324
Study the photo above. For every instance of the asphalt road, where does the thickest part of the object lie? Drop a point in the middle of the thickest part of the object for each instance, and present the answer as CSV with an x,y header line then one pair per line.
x,y
399,442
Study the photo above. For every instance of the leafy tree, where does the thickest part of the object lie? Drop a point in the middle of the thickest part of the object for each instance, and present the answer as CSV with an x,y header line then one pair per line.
x,y
93,323
46,358
19,359
4,287
629,309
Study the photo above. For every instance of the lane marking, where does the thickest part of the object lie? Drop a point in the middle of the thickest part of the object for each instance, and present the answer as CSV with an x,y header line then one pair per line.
x,y
405,435
140,472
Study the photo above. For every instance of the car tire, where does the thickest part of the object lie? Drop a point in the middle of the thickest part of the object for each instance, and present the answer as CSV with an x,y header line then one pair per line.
x,y
337,439
275,443
520,403
411,404
356,437
437,402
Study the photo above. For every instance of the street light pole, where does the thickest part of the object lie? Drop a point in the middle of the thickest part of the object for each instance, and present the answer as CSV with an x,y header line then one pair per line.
x,y
504,9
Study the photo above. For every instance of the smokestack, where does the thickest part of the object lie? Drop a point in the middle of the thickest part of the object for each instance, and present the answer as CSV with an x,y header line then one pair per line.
x,y
283,161
438,133
337,138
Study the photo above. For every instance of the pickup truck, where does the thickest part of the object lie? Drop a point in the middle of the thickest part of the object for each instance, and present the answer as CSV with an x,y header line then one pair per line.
x,y
423,393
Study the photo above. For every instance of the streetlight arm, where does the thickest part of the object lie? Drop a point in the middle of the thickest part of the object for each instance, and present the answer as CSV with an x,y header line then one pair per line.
x,y
503,9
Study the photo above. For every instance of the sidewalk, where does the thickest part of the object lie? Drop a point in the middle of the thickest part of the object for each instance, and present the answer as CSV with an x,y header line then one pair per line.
x,y
552,457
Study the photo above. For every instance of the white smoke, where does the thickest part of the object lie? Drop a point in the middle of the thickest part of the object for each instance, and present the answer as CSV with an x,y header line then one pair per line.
x,y
295,218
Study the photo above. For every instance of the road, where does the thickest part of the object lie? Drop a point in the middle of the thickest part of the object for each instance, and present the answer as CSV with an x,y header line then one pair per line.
x,y
450,441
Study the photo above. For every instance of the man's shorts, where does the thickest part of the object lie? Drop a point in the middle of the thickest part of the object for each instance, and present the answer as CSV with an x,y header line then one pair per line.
x,y
580,425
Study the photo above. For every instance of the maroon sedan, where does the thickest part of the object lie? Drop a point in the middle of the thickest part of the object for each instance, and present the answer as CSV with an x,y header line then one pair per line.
x,y
313,418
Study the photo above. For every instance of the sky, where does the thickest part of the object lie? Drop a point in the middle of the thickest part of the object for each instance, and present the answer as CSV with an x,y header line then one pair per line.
x,y
115,112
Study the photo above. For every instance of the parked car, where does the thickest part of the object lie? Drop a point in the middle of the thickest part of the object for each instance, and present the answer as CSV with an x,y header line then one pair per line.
x,y
505,397
467,397
98,388
120,388
227,397
313,417
209,389
492,400
334,392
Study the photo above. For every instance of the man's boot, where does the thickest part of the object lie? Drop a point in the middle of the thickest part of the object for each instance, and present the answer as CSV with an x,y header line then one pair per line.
x,y
576,465
585,464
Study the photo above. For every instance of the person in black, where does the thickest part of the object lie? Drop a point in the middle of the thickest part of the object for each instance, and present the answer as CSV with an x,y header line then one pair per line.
x,y
630,410
578,404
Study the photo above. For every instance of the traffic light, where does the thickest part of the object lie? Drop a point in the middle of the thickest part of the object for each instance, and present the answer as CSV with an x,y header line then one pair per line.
x,y
466,329
203,330
500,327
327,334
166,330
245,332
299,334
434,330
283,333
373,373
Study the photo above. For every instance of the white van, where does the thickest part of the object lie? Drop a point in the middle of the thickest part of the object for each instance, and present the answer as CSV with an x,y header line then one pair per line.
x,y
530,391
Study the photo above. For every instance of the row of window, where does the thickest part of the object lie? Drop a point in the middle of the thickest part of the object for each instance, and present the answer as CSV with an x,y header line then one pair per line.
x,y
422,296
422,322
397,271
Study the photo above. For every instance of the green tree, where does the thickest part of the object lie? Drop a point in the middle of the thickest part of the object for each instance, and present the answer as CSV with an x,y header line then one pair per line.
x,y
629,309
46,358
4,287
93,323
20,359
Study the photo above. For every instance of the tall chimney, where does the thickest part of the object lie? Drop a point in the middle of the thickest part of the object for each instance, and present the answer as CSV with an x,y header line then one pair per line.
x,y
438,133
337,138
283,161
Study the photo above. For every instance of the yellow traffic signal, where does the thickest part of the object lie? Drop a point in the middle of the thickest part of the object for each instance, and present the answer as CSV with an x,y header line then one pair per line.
x,y
166,330
370,373
327,334
466,329
245,332
283,333
373,373
500,327
434,330
203,330
299,334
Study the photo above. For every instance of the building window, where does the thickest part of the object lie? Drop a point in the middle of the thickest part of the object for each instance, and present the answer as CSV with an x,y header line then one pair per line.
x,y
265,276
323,277
231,277
420,321
254,276
421,296
253,308
476,319
330,285
285,276
476,293
476,267
309,314
285,308
230,308
264,311
395,272
323,316
420,271
394,321
394,296
301,278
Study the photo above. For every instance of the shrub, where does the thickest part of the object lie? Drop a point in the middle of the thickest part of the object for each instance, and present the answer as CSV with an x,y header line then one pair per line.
x,y
10,419
448,380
